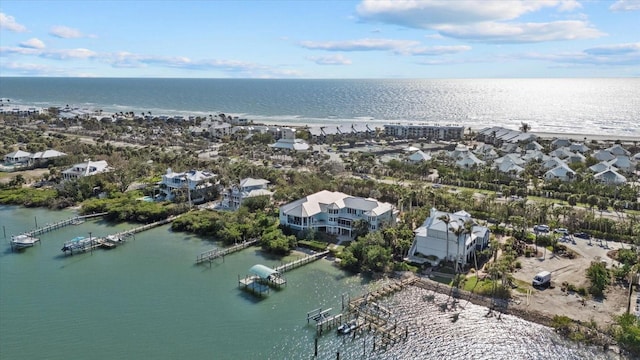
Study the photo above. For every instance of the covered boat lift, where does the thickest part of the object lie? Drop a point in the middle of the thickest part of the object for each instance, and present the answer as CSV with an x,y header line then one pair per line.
x,y
261,278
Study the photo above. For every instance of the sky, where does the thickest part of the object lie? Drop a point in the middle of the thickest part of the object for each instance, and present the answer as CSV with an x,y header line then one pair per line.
x,y
321,39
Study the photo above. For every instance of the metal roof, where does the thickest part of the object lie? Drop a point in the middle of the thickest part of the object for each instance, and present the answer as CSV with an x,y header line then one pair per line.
x,y
262,271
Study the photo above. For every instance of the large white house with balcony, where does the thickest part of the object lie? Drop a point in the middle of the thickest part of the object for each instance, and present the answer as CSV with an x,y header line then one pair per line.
x,y
200,185
436,240
87,168
336,213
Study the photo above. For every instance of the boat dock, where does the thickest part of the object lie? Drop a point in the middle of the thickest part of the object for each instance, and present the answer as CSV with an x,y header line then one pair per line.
x,y
210,255
81,244
262,277
76,220
302,261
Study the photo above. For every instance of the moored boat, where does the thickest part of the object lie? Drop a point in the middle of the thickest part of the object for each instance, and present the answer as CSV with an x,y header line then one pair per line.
x,y
23,241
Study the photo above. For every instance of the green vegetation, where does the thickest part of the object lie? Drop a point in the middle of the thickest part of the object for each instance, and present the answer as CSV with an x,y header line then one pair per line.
x,y
627,332
28,197
598,276
127,207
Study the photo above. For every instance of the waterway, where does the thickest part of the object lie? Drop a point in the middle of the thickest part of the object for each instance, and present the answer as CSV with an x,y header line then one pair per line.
x,y
146,299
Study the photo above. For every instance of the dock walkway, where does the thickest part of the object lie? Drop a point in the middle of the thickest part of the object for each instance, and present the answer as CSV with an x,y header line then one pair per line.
x,y
62,223
213,254
82,244
303,261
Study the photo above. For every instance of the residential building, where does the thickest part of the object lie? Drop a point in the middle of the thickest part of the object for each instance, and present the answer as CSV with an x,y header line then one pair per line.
x,y
44,157
87,168
336,213
290,144
17,157
561,172
610,176
424,131
201,185
247,188
419,156
436,240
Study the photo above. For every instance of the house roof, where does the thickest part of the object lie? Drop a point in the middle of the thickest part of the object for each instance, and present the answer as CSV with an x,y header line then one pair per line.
x,y
291,144
262,271
47,154
18,154
249,182
617,149
610,176
419,156
323,200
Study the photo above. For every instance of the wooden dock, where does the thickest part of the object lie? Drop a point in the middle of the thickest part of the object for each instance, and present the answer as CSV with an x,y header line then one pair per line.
x,y
210,255
62,223
302,261
81,244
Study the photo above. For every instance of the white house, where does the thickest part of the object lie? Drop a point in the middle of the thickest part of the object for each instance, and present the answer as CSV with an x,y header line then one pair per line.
x,y
468,161
561,142
42,157
247,188
601,166
87,168
336,213
561,172
618,150
418,156
552,163
17,157
610,176
579,147
436,240
199,183
623,163
603,155
291,144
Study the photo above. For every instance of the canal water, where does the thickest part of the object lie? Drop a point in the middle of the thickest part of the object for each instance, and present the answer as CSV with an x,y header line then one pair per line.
x,y
146,299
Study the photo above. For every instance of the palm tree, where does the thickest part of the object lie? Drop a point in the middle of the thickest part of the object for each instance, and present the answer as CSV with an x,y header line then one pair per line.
x,y
446,220
459,230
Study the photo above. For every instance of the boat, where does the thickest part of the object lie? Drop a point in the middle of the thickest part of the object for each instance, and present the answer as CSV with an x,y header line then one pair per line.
x,y
23,241
347,327
79,243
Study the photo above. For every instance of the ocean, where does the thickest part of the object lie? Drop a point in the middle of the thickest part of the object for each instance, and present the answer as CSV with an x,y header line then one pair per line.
x,y
147,300
571,106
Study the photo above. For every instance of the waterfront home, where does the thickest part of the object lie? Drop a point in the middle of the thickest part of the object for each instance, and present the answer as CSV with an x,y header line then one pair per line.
x,y
561,153
533,146
618,150
87,168
17,157
336,213
601,166
552,163
469,161
291,145
498,135
195,185
443,234
623,163
248,188
509,164
579,147
610,176
560,143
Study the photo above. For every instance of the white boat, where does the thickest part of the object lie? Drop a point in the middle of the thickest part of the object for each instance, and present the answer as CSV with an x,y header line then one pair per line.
x,y
23,241
347,327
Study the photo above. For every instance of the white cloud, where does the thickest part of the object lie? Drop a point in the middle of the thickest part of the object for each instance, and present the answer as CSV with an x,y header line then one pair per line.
x,y
330,60
33,43
483,21
9,23
58,54
494,32
625,5
606,55
65,32
438,50
359,45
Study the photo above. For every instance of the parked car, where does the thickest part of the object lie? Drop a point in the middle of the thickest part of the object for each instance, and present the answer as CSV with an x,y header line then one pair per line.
x,y
562,231
541,228
582,235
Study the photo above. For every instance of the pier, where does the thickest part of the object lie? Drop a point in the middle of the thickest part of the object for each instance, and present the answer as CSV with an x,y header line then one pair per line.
x,y
302,261
210,255
81,244
262,277
76,220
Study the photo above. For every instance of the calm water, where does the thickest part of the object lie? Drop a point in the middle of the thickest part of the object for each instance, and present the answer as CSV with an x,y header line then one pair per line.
x,y
146,300
587,106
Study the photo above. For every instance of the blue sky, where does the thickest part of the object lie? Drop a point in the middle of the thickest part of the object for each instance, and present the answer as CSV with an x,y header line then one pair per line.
x,y
321,39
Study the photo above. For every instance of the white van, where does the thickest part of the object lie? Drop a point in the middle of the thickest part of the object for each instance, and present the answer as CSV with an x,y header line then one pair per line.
x,y
543,278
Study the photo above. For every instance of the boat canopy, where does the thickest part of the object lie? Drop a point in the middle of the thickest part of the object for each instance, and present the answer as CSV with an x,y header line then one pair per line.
x,y
262,271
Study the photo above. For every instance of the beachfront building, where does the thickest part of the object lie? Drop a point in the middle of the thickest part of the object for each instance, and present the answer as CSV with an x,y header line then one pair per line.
x,y
498,135
561,172
424,131
248,188
17,157
443,234
201,185
87,168
336,213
